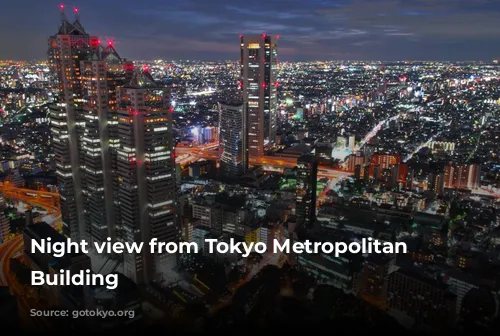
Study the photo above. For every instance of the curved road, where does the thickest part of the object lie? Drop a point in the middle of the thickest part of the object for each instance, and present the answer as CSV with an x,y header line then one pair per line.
x,y
11,247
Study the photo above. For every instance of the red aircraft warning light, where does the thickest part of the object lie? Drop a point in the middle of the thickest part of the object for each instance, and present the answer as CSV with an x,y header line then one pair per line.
x,y
264,35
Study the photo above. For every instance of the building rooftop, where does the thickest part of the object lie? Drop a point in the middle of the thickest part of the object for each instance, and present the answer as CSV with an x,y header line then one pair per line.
x,y
43,231
298,149
233,103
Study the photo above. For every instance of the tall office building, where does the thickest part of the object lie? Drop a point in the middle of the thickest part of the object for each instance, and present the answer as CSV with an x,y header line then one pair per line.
x,y
232,136
112,134
307,175
84,128
4,221
259,57
436,183
100,78
146,173
67,48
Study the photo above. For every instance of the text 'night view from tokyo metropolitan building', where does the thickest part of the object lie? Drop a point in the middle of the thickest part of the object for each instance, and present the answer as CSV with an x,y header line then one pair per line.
x,y
265,166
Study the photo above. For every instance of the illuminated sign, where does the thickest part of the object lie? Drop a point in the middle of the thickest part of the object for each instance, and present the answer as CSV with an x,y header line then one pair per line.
x,y
253,46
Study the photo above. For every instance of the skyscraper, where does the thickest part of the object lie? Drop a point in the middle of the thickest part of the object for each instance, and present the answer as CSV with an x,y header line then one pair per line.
x,y
4,221
232,136
146,173
100,78
84,128
259,57
67,49
307,175
112,134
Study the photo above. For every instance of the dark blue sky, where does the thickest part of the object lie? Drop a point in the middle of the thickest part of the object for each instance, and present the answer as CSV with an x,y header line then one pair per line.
x,y
309,29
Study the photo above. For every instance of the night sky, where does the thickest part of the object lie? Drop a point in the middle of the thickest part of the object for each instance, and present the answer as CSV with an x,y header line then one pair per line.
x,y
309,29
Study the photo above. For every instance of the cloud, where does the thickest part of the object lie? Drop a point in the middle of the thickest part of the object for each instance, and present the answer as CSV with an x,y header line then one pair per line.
x,y
428,18
312,29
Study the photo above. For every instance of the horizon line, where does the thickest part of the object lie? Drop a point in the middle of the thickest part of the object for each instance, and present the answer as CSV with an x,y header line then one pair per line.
x,y
286,61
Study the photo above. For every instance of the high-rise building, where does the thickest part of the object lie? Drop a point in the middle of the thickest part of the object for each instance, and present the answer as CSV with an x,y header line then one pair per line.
x,y
4,221
232,139
410,175
376,173
352,142
307,175
353,160
395,176
436,183
434,305
100,78
50,264
375,279
84,128
366,173
112,134
385,160
466,176
67,48
357,172
146,173
259,58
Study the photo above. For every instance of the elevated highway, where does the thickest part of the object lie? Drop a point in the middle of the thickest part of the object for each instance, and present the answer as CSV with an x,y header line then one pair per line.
x,y
43,199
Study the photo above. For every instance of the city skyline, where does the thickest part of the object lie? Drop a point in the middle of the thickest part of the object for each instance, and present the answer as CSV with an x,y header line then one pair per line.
x,y
454,30
262,192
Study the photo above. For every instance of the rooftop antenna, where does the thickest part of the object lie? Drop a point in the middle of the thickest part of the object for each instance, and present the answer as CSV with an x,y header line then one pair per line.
x,y
76,10
61,9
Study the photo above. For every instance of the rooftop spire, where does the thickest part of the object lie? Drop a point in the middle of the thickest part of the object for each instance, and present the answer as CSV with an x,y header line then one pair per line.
x,y
63,15
76,10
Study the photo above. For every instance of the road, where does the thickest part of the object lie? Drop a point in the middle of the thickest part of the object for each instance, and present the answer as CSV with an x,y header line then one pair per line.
x,y
7,251
375,130
50,202
187,155
276,259
47,200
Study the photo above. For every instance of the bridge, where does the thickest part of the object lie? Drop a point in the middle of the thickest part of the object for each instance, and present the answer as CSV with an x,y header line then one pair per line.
x,y
34,197
9,249
43,199
188,155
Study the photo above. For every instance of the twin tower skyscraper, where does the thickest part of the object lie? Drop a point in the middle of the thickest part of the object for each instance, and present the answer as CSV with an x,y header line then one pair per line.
x,y
111,128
